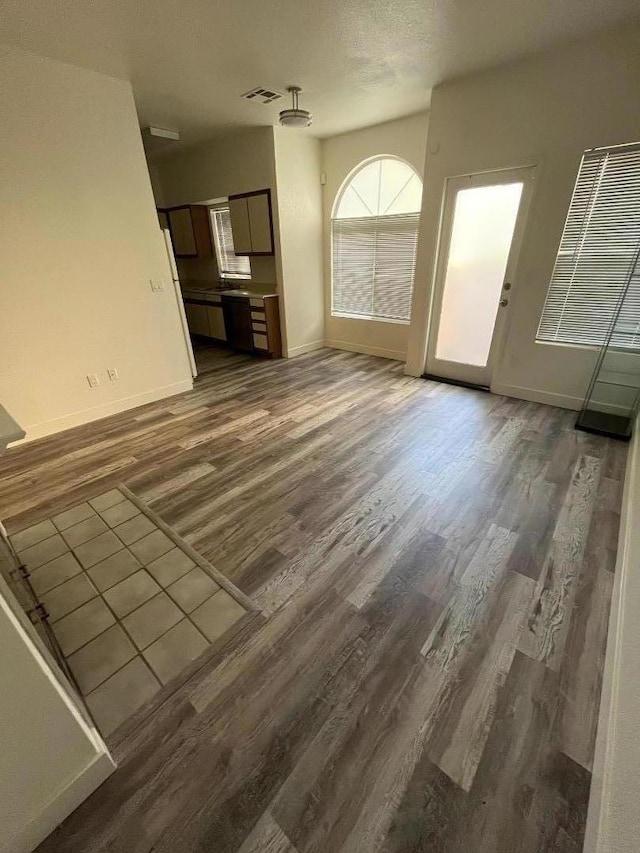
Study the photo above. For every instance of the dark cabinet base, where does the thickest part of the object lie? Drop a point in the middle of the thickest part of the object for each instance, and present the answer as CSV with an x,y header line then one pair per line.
x,y
237,323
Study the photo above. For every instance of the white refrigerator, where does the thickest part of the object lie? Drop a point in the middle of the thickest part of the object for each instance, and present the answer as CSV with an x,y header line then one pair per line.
x,y
178,294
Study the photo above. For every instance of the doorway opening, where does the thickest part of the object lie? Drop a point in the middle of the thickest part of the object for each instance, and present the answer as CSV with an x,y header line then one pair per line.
x,y
482,225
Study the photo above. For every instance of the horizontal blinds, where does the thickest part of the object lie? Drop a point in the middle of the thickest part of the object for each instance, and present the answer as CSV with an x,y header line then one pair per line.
x,y
374,262
229,264
597,255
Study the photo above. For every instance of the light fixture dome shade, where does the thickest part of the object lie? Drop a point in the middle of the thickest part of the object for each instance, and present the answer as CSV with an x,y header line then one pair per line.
x,y
295,117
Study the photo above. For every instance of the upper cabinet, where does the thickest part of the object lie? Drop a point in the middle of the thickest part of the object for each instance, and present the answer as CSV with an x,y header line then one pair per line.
x,y
239,213
251,223
190,231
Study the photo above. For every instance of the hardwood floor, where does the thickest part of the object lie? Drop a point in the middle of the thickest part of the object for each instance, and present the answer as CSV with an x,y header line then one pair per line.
x,y
434,568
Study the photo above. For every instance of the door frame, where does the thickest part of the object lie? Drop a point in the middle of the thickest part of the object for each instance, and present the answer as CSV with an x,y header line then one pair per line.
x,y
177,292
456,371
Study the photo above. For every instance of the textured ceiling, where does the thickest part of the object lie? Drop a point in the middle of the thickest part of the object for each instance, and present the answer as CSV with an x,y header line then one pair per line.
x,y
358,61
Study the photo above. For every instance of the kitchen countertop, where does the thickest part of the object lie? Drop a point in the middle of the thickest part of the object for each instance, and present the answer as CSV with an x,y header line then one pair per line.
x,y
209,293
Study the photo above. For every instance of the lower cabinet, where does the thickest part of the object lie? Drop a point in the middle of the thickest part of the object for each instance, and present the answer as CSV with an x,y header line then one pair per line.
x,y
215,316
265,326
205,320
197,318
247,324
237,322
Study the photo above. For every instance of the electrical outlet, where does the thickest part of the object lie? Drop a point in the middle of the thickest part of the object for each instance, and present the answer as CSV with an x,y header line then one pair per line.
x,y
92,379
112,373
157,284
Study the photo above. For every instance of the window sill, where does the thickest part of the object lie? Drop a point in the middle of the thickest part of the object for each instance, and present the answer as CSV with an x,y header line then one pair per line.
x,y
589,347
369,319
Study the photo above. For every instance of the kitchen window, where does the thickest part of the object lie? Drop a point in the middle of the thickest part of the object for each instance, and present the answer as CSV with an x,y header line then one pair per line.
x,y
597,253
374,235
230,265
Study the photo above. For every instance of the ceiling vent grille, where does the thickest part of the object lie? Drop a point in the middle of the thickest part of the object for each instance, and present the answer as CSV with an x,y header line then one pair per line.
x,y
266,96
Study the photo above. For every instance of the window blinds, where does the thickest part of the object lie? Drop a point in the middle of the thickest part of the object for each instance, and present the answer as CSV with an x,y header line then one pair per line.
x,y
230,265
374,262
597,255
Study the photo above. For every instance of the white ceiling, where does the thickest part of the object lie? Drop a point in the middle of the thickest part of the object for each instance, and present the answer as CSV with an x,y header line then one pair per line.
x,y
358,61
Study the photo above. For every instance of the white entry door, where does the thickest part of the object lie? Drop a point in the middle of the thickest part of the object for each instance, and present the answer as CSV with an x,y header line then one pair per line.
x,y
482,226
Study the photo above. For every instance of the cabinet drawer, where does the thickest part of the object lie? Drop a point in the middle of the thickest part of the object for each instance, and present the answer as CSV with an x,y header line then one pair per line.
x,y
254,301
259,327
257,315
260,341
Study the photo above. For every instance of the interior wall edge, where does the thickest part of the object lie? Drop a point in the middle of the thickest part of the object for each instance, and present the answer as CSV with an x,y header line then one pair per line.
x,y
612,818
292,352
538,395
405,138
67,801
559,103
105,410
349,346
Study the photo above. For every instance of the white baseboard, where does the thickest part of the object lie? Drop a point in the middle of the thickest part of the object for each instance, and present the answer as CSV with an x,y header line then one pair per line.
x,y
292,352
64,803
550,398
410,371
613,820
396,355
536,395
104,410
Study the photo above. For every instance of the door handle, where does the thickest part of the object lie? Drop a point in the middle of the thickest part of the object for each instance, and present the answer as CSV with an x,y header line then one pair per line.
x,y
506,285
504,302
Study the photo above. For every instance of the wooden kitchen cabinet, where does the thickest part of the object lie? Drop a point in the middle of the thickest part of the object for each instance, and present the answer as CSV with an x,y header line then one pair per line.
x,y
239,215
246,323
215,316
265,326
237,322
259,208
205,319
251,223
190,231
197,318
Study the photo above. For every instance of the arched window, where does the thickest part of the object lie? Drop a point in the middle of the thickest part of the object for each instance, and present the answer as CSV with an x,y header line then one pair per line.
x,y
374,234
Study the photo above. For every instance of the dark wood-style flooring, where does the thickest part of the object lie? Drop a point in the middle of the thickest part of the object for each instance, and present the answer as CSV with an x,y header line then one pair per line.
x,y
434,569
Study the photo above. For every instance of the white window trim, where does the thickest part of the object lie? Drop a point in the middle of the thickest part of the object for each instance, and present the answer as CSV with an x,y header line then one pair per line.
x,y
573,225
370,318
224,276
345,184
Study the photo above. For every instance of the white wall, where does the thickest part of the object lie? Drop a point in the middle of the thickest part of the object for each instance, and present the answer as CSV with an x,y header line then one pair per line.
x,y
289,165
299,212
239,162
79,241
50,759
545,110
405,138
613,824
156,186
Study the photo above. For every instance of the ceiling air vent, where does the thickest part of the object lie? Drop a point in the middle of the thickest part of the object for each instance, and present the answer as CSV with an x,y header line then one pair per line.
x,y
265,96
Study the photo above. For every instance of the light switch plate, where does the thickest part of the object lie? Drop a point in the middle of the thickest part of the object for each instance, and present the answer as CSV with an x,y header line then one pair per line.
x,y
157,284
92,379
112,373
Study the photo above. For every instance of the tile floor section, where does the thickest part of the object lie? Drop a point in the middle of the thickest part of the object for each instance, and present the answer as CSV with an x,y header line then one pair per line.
x,y
130,608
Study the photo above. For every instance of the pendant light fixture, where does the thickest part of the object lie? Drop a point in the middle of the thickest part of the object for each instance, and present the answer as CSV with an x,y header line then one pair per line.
x,y
295,117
